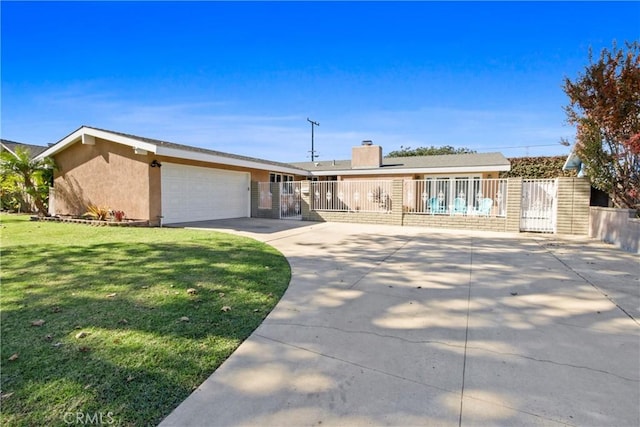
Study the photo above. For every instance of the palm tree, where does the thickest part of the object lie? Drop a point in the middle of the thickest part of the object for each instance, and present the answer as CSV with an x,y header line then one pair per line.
x,y
35,174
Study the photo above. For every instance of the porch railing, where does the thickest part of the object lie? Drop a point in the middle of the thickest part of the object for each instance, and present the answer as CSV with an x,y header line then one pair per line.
x,y
351,196
455,196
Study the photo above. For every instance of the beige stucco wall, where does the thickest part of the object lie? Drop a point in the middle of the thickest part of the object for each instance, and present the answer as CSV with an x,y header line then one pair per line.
x,y
366,156
106,175
257,175
111,175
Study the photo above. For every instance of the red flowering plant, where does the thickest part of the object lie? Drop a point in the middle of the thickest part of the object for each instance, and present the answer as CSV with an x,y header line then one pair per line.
x,y
119,216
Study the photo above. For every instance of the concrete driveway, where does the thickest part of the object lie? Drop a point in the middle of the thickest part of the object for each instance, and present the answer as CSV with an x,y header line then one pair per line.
x,y
403,326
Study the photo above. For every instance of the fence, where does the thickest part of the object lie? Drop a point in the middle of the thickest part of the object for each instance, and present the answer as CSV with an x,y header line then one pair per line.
x,y
351,196
460,203
455,196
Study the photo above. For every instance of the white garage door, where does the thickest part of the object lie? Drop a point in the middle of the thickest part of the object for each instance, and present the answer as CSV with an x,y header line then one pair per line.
x,y
191,193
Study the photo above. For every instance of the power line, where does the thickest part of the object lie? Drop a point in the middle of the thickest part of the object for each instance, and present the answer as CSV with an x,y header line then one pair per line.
x,y
522,146
526,147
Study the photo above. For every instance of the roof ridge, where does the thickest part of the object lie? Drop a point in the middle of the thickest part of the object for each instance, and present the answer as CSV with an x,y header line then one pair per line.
x,y
445,155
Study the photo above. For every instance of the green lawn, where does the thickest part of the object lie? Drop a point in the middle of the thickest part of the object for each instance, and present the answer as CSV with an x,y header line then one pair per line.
x,y
125,289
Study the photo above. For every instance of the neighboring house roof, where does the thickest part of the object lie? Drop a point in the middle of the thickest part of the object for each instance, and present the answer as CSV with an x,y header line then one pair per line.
x,y
574,162
11,146
448,163
86,135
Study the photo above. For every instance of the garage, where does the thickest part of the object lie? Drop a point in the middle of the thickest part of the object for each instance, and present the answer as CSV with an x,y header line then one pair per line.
x,y
192,193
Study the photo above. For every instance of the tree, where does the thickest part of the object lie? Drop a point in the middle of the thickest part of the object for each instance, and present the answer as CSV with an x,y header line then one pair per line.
x,y
35,175
605,108
428,151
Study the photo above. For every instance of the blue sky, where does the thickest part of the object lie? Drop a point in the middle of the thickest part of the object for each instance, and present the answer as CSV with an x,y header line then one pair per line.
x,y
243,77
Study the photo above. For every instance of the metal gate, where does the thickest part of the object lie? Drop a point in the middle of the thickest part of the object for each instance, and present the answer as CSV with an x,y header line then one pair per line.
x,y
290,200
539,203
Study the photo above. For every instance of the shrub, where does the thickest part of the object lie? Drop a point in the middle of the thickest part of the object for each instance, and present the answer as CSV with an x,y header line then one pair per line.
x,y
98,213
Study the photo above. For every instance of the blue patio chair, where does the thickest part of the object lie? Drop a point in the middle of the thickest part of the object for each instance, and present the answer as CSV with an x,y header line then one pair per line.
x,y
436,207
484,207
459,206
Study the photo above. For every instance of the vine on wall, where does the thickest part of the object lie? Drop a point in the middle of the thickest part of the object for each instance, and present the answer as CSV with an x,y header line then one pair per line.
x,y
537,168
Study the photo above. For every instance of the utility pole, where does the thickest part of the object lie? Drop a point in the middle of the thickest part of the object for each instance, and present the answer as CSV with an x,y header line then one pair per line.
x,y
313,152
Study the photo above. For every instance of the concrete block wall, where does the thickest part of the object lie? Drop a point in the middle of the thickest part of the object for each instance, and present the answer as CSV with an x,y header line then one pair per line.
x,y
573,210
255,200
457,222
352,217
619,227
305,199
275,200
397,187
514,205
573,206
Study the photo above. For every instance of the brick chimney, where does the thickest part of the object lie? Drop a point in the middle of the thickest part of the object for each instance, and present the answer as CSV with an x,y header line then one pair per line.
x,y
366,156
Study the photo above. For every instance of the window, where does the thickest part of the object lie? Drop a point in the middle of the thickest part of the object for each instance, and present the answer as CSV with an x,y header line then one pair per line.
x,y
278,177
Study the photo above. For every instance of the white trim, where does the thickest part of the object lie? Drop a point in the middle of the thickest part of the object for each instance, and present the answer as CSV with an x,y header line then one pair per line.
x,y
80,135
7,148
87,134
122,140
424,170
62,144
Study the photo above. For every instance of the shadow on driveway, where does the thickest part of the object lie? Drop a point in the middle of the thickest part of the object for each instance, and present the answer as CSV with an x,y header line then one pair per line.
x,y
387,325
245,226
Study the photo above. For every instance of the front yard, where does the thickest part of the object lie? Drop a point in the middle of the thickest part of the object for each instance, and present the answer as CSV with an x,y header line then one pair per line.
x,y
122,324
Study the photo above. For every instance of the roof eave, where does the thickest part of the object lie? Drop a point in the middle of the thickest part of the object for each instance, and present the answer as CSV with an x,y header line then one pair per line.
x,y
80,135
382,171
572,162
230,161
8,149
